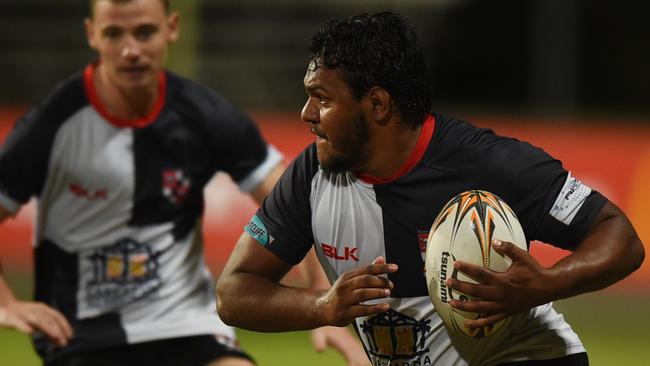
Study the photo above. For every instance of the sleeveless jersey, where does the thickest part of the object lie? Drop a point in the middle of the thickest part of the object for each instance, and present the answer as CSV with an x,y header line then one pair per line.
x,y
352,220
118,244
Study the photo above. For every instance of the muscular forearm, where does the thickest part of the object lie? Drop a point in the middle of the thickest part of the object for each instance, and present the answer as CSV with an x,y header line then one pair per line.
x,y
255,303
610,252
250,296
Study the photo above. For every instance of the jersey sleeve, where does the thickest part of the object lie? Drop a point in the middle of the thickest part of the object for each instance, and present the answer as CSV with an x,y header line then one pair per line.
x,y
17,182
25,154
283,223
552,205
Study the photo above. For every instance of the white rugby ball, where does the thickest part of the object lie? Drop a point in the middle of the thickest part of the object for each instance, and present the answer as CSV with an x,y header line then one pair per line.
x,y
464,230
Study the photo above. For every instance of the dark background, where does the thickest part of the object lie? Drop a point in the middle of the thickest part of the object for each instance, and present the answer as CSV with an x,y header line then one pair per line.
x,y
571,58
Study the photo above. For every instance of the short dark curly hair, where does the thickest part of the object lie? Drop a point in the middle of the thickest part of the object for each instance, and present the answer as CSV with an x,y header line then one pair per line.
x,y
377,50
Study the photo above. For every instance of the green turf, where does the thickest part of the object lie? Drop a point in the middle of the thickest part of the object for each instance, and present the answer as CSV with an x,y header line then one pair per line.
x,y
614,328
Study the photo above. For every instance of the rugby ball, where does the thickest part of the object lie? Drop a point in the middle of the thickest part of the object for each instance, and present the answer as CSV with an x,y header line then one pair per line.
x,y
463,230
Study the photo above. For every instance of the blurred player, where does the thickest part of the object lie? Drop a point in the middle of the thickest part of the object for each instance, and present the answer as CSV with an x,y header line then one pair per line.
x,y
380,170
118,156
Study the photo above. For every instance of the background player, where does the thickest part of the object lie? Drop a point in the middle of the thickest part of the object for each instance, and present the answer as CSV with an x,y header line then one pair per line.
x,y
381,168
118,156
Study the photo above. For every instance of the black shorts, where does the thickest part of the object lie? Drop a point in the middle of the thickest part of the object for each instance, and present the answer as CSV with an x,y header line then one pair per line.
x,y
186,351
577,359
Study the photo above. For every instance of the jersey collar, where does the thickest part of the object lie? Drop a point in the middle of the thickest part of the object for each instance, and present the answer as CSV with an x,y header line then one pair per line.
x,y
91,93
420,147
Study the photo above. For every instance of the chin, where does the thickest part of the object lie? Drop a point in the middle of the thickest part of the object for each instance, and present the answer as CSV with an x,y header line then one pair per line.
x,y
334,164
137,83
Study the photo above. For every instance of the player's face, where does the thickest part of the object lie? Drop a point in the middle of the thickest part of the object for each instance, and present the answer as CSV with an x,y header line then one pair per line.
x,y
337,120
131,39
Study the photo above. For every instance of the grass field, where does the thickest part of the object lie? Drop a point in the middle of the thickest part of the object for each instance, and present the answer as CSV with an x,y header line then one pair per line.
x,y
614,327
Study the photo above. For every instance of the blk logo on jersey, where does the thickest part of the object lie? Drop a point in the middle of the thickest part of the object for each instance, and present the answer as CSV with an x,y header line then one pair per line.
x,y
344,254
122,272
175,185
79,191
392,337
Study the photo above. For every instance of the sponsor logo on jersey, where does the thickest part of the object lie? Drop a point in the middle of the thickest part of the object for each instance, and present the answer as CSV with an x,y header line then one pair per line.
x,y
122,272
257,230
393,338
175,185
570,199
79,191
346,253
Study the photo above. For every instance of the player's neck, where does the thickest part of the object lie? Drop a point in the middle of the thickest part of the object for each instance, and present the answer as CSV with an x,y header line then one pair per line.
x,y
391,148
121,102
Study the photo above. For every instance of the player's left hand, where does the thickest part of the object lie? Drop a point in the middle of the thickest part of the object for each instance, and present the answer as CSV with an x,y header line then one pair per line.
x,y
523,286
343,341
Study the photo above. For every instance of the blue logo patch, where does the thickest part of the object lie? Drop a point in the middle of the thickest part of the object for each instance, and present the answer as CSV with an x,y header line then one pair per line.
x,y
257,230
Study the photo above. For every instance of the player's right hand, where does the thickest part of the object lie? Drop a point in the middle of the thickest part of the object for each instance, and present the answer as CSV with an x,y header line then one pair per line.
x,y
342,303
30,317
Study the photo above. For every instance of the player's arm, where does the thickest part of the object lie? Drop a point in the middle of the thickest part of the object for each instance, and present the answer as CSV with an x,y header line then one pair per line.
x,y
339,338
609,252
250,295
29,317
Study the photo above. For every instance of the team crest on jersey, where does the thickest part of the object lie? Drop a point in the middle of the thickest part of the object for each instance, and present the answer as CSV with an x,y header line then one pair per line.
x,y
393,336
175,185
122,272
423,236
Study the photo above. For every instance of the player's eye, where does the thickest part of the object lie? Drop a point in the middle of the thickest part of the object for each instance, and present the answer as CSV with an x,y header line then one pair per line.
x,y
145,32
112,33
321,99
324,101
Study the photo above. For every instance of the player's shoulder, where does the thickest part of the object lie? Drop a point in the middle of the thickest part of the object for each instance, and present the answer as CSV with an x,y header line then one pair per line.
x,y
306,162
462,146
463,139
67,97
204,108
186,93
451,131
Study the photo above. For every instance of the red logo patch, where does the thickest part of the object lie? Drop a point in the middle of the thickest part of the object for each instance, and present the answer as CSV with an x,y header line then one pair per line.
x,y
175,185
90,194
423,237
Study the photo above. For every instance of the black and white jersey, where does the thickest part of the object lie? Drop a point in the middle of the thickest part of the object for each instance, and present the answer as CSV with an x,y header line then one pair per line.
x,y
118,244
354,219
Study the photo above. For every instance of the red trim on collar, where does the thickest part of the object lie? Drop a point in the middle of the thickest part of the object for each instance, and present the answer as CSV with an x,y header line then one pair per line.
x,y
91,93
420,147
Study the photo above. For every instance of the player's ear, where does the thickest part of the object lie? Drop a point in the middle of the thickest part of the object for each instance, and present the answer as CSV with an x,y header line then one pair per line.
x,y
379,104
173,24
90,33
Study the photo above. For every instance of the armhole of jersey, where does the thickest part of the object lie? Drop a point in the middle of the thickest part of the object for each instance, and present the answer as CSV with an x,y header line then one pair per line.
x,y
9,204
257,176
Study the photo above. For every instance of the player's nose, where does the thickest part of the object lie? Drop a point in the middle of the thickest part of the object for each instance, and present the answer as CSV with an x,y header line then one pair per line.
x,y
309,112
130,50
